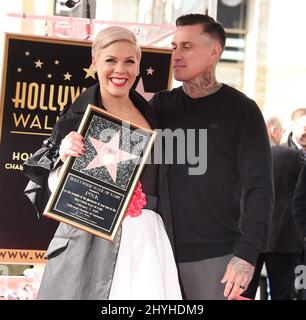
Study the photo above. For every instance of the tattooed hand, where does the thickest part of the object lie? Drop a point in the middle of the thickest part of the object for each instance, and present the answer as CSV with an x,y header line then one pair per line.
x,y
237,277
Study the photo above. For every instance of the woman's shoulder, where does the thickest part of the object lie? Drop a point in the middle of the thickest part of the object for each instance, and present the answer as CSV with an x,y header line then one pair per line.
x,y
89,96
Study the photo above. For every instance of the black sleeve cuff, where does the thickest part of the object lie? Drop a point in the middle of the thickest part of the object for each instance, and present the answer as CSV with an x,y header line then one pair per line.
x,y
247,251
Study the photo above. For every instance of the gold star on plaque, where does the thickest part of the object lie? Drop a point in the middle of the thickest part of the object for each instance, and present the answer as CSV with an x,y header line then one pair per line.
x,y
27,53
38,63
19,69
89,73
67,76
49,75
56,62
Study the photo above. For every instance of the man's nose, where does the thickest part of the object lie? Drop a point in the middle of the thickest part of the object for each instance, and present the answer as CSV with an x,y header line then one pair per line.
x,y
176,54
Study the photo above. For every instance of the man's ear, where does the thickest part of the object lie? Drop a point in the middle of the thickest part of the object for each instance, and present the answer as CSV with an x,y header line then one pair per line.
x,y
273,131
216,51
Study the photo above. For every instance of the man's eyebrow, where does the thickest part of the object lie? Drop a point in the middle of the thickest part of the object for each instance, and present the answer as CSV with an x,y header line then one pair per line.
x,y
181,43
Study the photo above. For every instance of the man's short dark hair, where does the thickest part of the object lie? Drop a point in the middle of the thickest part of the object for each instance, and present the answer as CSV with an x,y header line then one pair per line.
x,y
210,26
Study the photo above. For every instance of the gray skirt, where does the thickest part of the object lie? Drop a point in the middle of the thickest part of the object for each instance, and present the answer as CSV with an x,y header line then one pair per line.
x,y
80,266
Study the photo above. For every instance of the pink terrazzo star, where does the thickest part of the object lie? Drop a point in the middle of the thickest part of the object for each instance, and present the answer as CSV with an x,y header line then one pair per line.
x,y
109,155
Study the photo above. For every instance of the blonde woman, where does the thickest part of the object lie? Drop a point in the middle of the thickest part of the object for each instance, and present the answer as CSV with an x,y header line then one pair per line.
x,y
139,264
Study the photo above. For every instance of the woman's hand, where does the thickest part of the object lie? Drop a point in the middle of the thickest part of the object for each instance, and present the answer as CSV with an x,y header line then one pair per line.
x,y
72,146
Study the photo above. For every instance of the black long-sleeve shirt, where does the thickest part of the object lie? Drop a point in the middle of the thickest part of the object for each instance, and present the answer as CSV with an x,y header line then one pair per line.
x,y
237,187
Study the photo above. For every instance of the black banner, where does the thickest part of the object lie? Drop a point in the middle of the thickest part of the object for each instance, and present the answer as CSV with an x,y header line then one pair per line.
x,y
41,76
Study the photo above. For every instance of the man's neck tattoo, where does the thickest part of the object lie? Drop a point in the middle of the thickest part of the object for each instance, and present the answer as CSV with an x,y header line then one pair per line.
x,y
202,86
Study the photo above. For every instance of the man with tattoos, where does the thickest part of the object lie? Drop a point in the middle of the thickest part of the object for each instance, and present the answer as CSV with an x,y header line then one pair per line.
x,y
219,216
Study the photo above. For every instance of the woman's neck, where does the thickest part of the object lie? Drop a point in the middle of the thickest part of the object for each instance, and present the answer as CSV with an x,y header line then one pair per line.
x,y
202,86
122,105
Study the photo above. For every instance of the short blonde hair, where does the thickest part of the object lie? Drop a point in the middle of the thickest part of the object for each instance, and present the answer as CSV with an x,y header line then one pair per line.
x,y
112,34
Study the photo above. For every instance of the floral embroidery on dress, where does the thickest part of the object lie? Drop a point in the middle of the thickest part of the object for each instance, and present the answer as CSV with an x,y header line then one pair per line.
x,y
137,202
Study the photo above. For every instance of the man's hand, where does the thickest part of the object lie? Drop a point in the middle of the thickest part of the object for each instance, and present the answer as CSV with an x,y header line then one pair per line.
x,y
237,277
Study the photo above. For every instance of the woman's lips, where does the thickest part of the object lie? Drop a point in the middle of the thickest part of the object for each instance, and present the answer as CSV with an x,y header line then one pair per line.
x,y
118,82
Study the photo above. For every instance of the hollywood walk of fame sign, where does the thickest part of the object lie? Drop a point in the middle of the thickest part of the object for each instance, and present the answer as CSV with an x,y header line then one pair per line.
x,y
94,190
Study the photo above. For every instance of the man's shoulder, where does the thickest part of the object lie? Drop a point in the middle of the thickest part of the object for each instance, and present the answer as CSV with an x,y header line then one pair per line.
x,y
167,94
166,100
233,94
284,150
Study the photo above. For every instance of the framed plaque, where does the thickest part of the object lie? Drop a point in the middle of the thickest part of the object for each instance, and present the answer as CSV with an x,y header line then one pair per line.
x,y
94,190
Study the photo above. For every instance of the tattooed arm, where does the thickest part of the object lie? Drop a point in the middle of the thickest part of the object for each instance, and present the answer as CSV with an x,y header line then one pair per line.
x,y
237,277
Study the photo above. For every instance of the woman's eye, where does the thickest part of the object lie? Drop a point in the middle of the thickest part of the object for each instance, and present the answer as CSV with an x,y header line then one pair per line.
x,y
130,61
110,60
